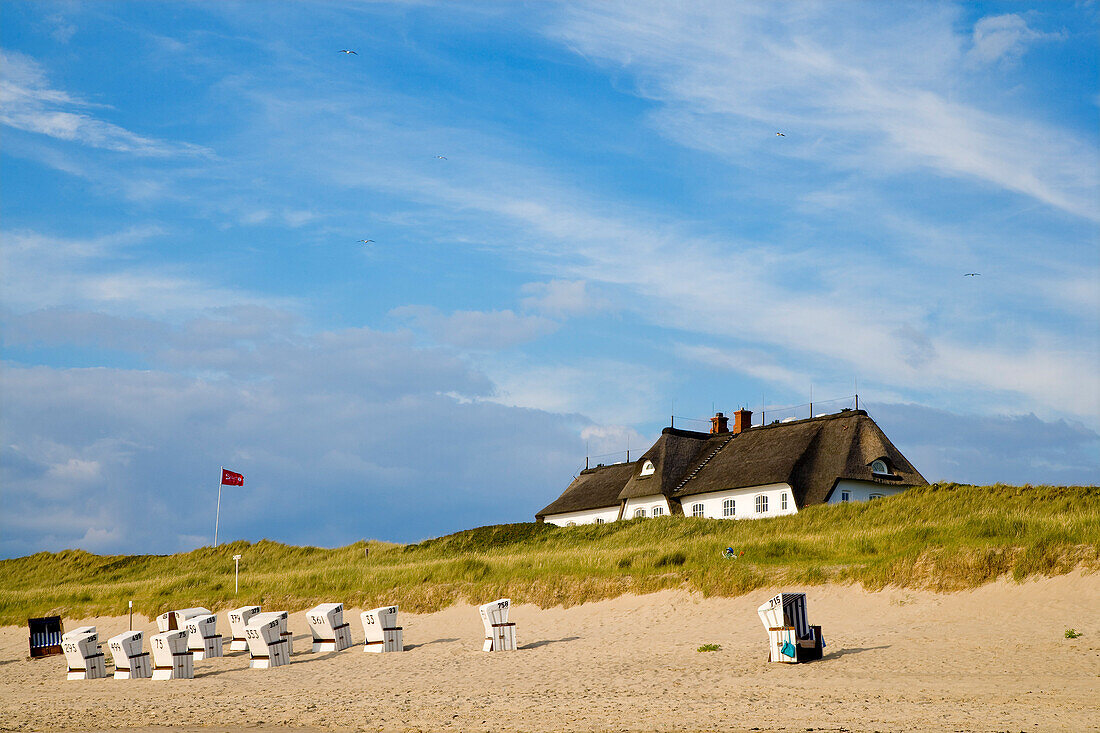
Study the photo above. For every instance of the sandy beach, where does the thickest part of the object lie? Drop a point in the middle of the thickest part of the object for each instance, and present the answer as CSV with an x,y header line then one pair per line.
x,y
991,659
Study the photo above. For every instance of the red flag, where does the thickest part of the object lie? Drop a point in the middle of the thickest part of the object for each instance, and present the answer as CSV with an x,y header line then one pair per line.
x,y
229,478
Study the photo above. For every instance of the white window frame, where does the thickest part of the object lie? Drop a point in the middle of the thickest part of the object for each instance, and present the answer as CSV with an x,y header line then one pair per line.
x,y
729,508
697,510
875,467
783,501
845,496
876,496
639,513
570,524
599,520
658,511
761,503
647,469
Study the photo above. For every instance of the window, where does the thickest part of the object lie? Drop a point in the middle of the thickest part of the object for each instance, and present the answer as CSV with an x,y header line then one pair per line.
x,y
845,496
880,466
761,504
783,501
570,524
696,510
729,508
639,513
647,469
658,511
599,520
875,496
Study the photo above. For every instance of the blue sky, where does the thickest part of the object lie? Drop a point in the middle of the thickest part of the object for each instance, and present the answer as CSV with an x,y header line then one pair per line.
x,y
616,232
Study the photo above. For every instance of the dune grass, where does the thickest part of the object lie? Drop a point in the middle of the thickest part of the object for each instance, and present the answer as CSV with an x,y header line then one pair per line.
x,y
943,537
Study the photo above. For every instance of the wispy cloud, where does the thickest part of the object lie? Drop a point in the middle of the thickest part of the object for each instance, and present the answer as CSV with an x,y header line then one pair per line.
x,y
728,76
29,103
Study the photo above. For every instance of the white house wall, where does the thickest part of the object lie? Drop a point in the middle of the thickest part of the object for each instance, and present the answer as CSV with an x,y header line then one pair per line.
x,y
860,491
744,502
647,503
588,516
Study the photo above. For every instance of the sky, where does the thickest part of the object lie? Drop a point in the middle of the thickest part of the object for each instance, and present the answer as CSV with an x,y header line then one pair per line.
x,y
583,223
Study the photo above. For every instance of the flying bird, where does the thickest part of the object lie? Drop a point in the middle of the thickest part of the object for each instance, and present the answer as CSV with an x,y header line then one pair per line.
x,y
971,274
779,134
344,50
365,241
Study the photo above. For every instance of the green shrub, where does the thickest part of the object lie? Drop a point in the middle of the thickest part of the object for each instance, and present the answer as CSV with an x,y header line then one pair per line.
x,y
709,648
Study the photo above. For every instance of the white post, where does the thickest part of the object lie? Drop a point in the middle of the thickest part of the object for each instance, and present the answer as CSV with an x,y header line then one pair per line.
x,y
236,569
221,474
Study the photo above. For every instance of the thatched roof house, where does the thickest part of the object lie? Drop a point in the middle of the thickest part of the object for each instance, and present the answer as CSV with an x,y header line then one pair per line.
x,y
748,472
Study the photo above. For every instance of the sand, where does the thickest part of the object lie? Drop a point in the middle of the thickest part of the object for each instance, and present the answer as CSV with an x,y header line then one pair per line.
x,y
991,659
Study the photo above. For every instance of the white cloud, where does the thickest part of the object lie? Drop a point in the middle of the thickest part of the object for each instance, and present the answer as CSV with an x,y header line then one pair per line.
x,y
39,271
28,103
355,418
476,330
560,298
850,95
1003,38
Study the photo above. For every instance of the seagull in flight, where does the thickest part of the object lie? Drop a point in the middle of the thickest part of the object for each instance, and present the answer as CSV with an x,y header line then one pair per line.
x,y
344,50
779,134
365,241
441,157
971,274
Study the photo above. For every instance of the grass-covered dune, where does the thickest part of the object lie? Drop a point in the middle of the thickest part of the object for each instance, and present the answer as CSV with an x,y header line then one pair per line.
x,y
942,537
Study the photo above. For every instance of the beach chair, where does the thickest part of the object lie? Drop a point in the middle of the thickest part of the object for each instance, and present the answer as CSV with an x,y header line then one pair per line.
x,y
238,619
500,635
791,639
381,630
283,618
172,660
203,639
172,620
80,631
83,655
330,633
130,661
267,644
45,636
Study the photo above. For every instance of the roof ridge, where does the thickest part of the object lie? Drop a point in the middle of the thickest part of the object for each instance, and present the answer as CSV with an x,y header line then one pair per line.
x,y
699,467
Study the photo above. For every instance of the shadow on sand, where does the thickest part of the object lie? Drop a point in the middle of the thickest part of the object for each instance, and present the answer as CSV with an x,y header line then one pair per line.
x,y
433,641
537,644
845,652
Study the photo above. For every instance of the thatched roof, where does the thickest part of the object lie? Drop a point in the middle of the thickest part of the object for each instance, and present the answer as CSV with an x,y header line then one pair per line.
x,y
594,488
810,455
673,455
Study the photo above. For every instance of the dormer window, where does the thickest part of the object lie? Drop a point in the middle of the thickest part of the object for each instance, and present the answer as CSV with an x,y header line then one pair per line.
x,y
880,467
647,469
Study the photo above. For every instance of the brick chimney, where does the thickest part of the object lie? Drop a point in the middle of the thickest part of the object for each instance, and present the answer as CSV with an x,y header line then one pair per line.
x,y
742,421
719,424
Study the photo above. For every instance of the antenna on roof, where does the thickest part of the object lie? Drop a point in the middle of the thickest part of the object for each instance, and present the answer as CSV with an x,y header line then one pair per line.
x,y
811,399
586,455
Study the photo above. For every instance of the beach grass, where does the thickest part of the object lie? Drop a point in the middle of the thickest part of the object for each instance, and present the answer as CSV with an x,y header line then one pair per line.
x,y
942,537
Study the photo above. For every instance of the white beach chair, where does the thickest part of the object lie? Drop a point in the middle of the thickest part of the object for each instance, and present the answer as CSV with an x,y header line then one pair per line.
x,y
81,631
500,635
791,639
267,645
381,630
131,662
283,618
83,656
238,619
330,633
203,639
172,660
177,619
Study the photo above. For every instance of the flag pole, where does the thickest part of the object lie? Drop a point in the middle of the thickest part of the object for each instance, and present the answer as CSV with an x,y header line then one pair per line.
x,y
218,516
